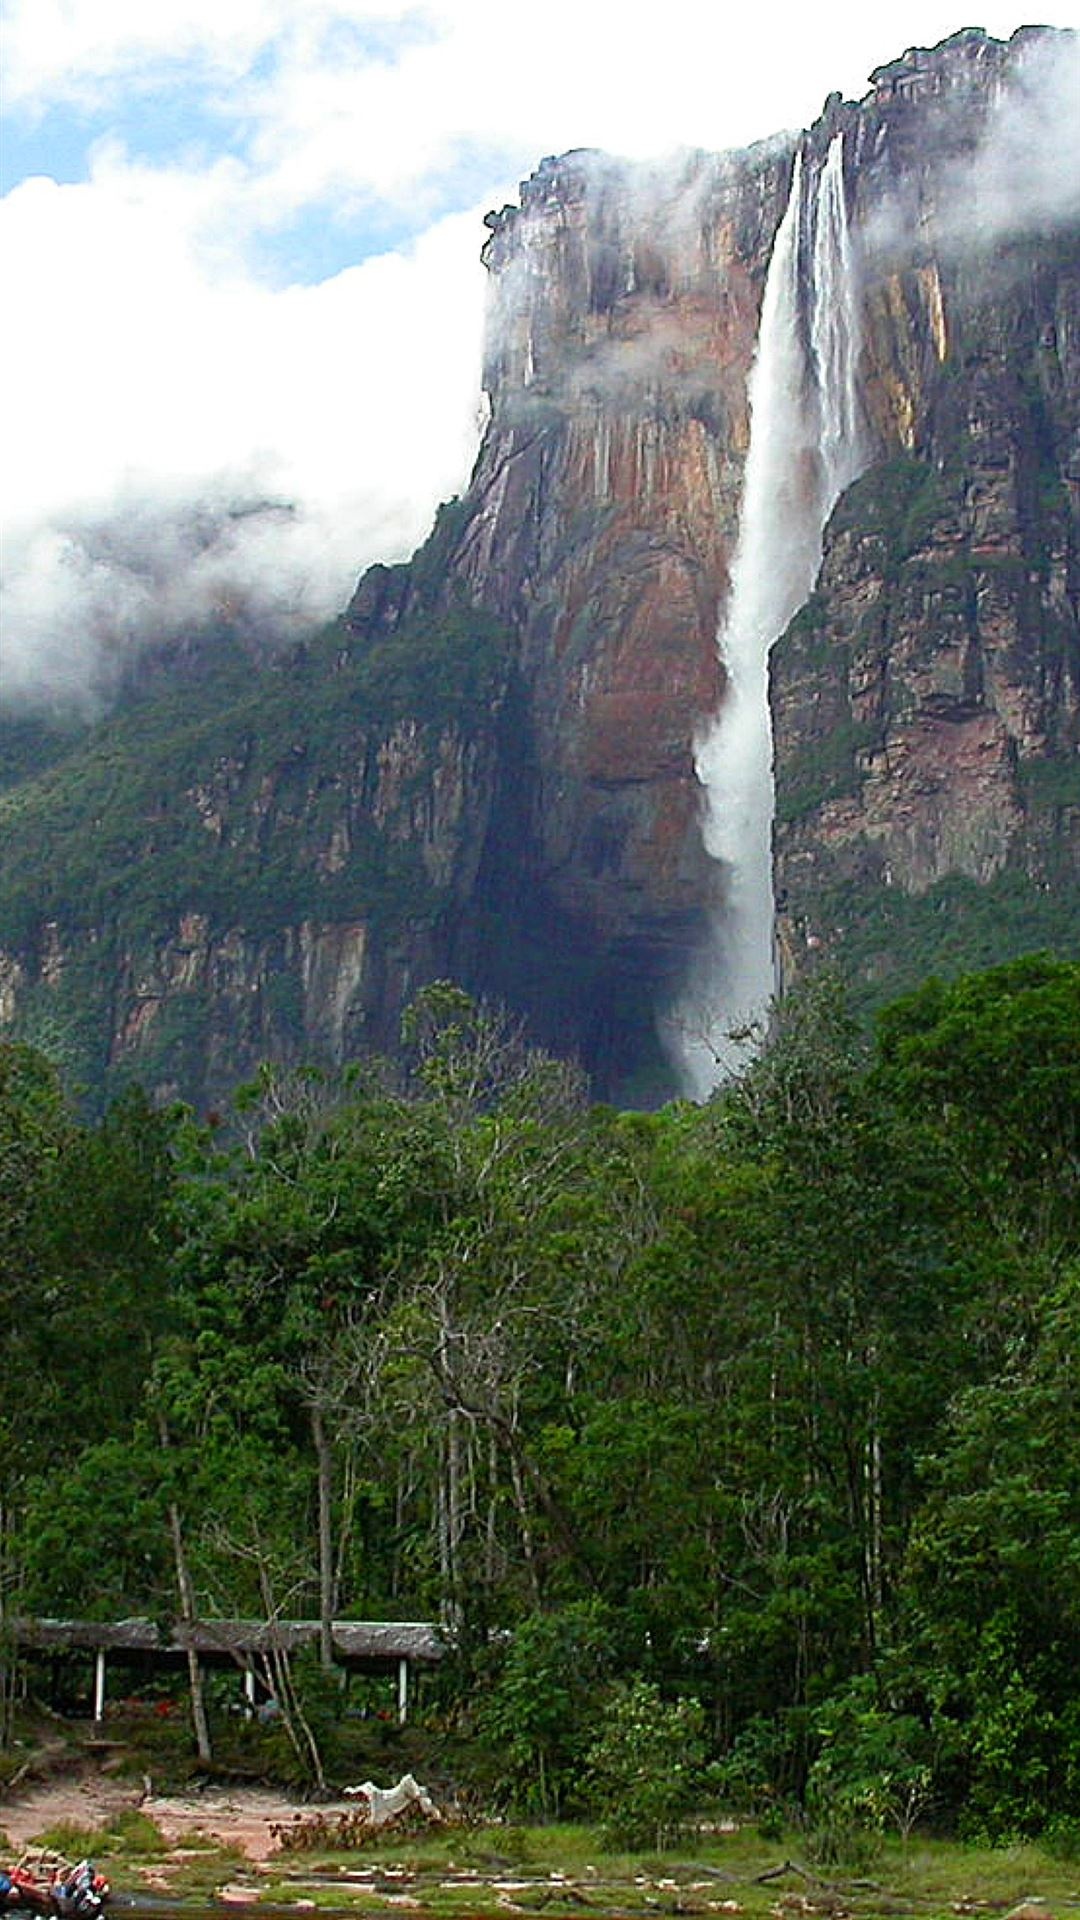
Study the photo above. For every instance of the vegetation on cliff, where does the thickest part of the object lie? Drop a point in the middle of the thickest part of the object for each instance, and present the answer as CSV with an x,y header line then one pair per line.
x,y
756,1421
231,794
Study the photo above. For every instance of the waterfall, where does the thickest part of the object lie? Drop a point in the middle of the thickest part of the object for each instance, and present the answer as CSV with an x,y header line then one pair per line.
x,y
804,449
834,335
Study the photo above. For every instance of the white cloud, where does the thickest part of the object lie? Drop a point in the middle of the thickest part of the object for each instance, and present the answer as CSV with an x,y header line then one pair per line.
x,y
76,50
1026,173
1022,177
140,384
390,96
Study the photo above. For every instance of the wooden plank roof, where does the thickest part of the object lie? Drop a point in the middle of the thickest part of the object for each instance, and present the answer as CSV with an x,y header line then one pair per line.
x,y
376,1641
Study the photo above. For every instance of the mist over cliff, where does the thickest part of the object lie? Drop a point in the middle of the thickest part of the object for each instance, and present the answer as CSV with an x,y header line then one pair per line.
x,y
492,766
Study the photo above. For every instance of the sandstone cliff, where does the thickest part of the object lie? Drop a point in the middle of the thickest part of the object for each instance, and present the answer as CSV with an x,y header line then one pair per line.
x,y
487,769
598,527
926,703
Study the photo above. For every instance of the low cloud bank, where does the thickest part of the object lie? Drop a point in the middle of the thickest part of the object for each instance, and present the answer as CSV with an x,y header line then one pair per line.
x,y
1023,176
182,440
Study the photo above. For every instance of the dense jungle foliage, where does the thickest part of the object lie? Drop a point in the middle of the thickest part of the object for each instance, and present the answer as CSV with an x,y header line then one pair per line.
x,y
757,1424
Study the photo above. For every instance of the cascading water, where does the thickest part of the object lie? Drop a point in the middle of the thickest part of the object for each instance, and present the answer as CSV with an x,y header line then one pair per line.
x,y
834,337
804,449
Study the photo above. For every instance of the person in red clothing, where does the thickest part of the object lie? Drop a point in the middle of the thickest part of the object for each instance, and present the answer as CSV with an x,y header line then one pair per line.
x,y
25,1894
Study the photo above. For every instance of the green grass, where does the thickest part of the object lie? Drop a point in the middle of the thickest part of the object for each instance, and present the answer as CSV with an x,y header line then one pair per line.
x,y
130,1836
131,1849
69,1838
940,1874
213,1867
564,1870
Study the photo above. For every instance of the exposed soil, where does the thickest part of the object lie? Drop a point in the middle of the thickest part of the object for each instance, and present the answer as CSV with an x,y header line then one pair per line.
x,y
240,1817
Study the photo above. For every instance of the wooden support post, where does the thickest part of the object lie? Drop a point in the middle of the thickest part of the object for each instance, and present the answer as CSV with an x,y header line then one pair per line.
x,y
402,1691
249,1688
99,1685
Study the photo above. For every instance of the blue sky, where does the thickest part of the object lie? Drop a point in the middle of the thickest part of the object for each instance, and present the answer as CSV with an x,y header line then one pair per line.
x,y
189,112
241,242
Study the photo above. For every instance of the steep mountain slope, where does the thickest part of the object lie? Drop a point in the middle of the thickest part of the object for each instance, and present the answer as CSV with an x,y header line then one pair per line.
x,y
252,864
487,768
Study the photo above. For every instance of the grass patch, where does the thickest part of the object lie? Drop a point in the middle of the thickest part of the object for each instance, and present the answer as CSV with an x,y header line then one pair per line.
x,y
122,1842
284,1893
69,1838
136,1833
563,1870
943,1873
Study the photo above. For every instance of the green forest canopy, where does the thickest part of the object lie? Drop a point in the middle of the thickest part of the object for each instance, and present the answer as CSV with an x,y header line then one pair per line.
x,y
770,1406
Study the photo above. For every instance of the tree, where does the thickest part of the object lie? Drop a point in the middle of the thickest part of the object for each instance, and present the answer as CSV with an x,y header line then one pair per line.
x,y
992,1582
36,1134
84,1250
993,1059
540,1708
873,1767
494,1299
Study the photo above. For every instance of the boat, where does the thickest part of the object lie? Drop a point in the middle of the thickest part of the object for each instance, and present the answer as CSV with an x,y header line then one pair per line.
x,y
44,1882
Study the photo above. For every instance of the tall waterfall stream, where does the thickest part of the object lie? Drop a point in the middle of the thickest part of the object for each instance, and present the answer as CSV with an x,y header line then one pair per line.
x,y
805,448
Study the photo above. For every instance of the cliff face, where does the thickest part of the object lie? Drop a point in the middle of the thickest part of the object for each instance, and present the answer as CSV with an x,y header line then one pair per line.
x,y
926,701
598,528
256,866
924,704
488,769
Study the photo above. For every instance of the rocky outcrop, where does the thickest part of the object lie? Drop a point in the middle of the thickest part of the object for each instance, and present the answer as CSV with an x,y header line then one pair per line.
x,y
283,898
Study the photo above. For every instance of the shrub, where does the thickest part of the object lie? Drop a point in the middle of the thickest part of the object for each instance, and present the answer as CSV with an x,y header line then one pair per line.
x,y
643,1769
542,1706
